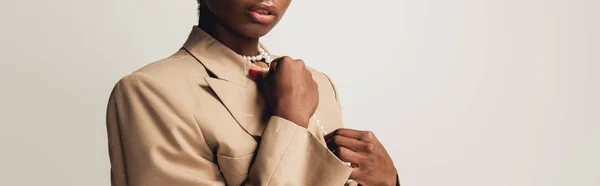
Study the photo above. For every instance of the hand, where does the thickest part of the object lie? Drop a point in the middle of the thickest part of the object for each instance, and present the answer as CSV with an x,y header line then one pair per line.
x,y
371,164
290,89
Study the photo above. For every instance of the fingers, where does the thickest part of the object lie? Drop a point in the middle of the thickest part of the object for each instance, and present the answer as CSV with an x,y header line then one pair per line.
x,y
261,74
262,65
274,63
257,74
286,62
356,134
348,155
354,158
349,143
301,63
355,174
330,135
351,133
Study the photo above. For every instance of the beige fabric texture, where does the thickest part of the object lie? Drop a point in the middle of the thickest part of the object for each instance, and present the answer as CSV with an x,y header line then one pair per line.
x,y
196,118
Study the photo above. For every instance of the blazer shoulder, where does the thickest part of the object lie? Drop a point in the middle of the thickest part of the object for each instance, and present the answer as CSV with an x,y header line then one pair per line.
x,y
177,66
172,74
318,75
324,81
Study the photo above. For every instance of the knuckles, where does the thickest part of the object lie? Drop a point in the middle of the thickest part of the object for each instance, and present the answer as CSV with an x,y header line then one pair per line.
x,y
286,59
308,72
301,62
368,135
294,64
369,148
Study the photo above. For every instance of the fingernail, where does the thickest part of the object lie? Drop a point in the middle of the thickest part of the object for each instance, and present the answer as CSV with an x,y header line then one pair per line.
x,y
253,73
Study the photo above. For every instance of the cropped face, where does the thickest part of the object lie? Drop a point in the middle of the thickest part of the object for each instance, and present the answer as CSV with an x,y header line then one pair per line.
x,y
249,18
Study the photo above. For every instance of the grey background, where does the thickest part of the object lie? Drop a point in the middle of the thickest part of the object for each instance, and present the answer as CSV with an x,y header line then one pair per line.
x,y
462,92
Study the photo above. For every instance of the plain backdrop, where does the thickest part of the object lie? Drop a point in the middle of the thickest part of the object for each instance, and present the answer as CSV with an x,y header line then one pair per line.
x,y
462,92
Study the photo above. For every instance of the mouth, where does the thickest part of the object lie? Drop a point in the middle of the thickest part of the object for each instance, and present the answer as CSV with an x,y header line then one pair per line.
x,y
262,13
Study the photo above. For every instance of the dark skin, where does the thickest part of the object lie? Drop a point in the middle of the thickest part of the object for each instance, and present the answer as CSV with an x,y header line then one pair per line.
x,y
228,22
366,155
290,91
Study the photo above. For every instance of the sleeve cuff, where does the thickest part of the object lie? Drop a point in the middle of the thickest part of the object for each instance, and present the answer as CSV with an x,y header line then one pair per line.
x,y
289,153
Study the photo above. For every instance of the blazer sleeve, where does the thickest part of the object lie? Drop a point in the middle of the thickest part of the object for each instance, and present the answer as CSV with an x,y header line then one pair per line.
x,y
154,139
290,155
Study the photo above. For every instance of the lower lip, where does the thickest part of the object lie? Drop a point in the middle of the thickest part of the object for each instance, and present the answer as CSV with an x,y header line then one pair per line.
x,y
261,18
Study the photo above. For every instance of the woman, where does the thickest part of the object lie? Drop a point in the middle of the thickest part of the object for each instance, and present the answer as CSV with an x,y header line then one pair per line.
x,y
221,111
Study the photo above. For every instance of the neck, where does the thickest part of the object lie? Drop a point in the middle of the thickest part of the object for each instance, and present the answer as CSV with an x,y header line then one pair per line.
x,y
228,37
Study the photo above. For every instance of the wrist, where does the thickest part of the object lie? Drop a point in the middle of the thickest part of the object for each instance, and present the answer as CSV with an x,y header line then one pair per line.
x,y
294,118
392,180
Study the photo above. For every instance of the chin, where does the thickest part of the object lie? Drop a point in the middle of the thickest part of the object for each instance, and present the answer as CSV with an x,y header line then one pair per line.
x,y
255,31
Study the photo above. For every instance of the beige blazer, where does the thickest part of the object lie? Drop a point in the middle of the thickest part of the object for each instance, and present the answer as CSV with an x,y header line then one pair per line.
x,y
196,118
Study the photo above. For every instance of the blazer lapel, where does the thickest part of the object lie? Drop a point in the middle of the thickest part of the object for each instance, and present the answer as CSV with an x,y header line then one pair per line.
x,y
236,91
245,104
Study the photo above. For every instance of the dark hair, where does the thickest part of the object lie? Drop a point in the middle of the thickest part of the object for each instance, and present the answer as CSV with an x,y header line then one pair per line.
x,y
199,7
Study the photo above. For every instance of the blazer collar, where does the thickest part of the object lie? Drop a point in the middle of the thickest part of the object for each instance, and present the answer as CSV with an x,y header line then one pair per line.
x,y
217,58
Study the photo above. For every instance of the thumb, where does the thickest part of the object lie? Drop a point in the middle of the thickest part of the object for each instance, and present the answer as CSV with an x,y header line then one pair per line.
x,y
257,73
